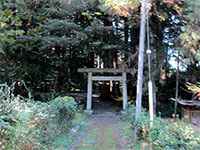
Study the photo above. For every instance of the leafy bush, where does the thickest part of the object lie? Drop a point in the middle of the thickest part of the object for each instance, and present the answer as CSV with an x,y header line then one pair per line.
x,y
165,135
5,132
64,106
26,124
42,122
175,136
129,113
6,98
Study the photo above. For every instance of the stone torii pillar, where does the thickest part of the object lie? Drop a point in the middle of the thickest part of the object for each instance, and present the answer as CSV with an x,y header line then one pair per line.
x,y
89,92
125,95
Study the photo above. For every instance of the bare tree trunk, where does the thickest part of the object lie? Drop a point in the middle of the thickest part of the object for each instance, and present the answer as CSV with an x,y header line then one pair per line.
x,y
141,59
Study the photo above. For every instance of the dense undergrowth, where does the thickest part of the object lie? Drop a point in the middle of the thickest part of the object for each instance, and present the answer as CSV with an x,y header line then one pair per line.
x,y
163,135
26,124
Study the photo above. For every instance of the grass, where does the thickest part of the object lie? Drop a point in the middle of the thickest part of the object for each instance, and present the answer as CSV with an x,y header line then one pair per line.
x,y
64,141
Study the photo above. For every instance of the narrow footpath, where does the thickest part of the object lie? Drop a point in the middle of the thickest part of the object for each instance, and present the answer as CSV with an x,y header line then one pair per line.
x,y
104,131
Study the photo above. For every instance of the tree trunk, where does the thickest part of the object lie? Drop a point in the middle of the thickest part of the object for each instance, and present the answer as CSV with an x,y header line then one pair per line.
x,y
141,59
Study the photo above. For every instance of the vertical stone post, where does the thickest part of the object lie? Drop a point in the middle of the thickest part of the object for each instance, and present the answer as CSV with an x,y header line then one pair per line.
x,y
124,85
89,92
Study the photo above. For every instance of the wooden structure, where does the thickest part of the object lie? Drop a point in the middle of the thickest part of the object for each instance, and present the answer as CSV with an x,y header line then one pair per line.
x,y
189,107
91,77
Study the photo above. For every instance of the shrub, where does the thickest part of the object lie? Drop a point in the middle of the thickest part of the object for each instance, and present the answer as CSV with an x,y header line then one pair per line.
x,y
26,124
129,113
165,135
64,107
6,98
4,126
175,136
44,121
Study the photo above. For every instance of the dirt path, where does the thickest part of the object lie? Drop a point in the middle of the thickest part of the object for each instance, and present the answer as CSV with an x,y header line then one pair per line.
x,y
104,131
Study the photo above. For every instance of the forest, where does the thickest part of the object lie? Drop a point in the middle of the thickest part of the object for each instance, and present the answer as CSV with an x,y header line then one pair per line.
x,y
47,48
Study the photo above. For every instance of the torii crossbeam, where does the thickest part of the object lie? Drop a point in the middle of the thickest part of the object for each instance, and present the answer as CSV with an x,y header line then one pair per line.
x,y
91,77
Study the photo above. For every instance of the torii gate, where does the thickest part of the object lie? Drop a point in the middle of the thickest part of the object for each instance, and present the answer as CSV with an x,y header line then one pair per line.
x,y
122,78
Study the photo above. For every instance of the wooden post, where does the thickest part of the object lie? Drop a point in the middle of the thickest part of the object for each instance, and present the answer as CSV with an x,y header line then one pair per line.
x,y
89,92
124,85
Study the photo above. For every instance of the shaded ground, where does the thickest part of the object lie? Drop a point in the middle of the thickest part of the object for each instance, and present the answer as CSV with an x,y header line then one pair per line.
x,y
104,131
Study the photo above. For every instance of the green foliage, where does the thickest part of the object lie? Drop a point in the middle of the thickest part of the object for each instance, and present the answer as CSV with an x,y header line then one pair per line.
x,y
39,35
192,10
65,140
28,124
190,39
53,38
164,134
5,99
175,136
9,26
167,135
129,113
50,40
43,122
66,106
5,128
